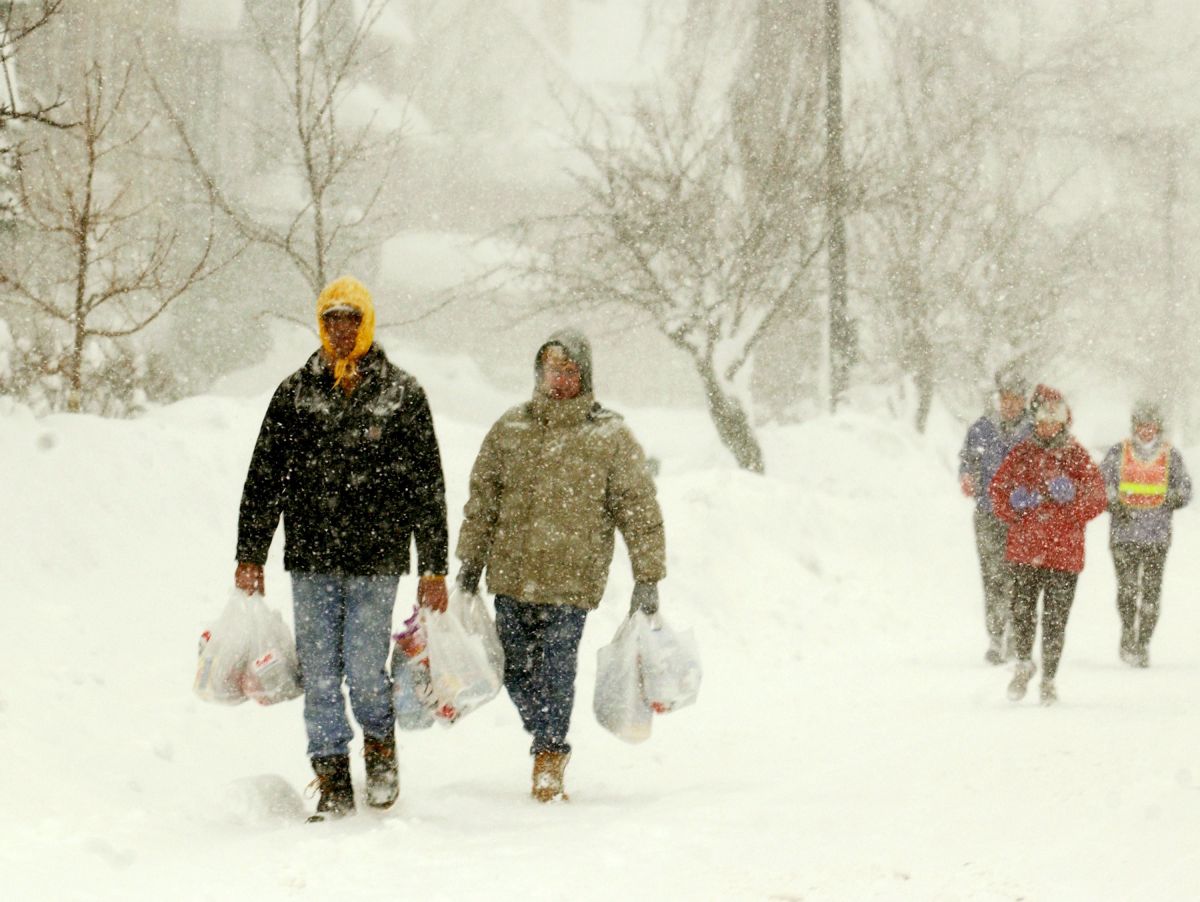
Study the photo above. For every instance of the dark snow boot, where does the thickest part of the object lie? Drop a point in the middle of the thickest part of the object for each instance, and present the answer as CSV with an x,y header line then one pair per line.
x,y
333,782
383,775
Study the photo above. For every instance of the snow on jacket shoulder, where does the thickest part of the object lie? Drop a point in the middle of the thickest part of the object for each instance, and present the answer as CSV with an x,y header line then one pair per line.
x,y
1050,535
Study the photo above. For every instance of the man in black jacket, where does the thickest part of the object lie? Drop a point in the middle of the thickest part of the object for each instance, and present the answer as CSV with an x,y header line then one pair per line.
x,y
348,457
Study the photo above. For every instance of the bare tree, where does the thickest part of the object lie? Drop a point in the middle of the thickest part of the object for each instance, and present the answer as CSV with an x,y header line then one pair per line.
x,y
963,265
675,229
95,250
782,50
780,45
313,61
17,22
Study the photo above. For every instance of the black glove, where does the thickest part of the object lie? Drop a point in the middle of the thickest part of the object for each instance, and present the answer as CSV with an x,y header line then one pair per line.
x,y
645,598
468,578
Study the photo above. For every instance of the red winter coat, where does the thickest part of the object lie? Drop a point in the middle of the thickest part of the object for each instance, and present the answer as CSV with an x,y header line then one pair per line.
x,y
1050,535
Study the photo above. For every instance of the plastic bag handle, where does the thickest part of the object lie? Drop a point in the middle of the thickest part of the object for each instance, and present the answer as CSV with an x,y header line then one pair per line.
x,y
654,620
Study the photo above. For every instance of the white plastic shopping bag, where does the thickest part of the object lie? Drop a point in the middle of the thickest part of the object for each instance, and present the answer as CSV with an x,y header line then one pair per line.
x,y
248,653
670,665
618,702
475,618
412,694
463,674
224,650
272,671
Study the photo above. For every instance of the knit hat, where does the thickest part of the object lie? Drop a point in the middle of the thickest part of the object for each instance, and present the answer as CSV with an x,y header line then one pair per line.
x,y
344,295
1049,405
1146,412
578,350
1010,381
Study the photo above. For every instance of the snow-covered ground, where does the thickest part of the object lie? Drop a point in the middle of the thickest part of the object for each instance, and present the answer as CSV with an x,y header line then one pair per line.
x,y
849,742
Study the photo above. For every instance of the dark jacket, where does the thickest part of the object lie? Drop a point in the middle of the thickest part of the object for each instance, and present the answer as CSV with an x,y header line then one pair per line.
x,y
355,478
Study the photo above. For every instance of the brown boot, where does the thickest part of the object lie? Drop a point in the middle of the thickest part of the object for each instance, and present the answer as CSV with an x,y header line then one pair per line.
x,y
383,776
548,768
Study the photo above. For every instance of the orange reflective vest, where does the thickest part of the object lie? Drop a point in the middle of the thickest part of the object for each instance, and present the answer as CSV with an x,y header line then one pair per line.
x,y
1143,482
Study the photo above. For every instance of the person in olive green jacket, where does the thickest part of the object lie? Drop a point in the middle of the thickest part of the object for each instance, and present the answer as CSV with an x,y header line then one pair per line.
x,y
553,481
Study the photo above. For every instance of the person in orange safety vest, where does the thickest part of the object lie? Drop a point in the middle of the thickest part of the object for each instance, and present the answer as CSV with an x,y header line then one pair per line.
x,y
1146,482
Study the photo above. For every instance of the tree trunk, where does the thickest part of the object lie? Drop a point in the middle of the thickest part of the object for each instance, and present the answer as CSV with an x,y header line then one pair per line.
x,y
924,403
923,377
841,340
75,375
733,425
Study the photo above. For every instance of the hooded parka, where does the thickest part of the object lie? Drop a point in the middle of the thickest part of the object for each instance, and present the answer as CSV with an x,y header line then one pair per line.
x,y
553,480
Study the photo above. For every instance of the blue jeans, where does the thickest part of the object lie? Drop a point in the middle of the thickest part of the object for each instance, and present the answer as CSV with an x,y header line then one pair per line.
x,y
343,631
541,654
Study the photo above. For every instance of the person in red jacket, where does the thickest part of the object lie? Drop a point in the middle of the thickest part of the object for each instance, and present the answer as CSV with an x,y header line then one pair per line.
x,y
1046,490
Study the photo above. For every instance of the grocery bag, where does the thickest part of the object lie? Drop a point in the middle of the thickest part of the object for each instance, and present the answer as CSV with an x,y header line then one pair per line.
x,y
463,674
476,620
272,672
412,694
670,666
618,701
224,651
248,653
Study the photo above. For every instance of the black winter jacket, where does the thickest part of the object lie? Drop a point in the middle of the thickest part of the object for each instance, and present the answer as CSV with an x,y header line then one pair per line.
x,y
354,478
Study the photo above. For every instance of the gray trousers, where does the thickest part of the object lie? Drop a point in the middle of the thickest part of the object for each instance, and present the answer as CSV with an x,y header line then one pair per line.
x,y
991,539
1139,588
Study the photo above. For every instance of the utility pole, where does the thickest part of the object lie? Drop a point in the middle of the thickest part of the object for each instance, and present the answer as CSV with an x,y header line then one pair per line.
x,y
841,335
1176,323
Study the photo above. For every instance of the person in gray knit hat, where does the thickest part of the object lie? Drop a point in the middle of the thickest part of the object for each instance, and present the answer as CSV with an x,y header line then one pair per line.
x,y
988,442
554,479
1147,482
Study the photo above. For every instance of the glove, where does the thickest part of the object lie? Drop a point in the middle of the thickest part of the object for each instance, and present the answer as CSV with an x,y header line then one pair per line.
x,y
645,598
431,592
468,578
1062,490
249,578
1023,499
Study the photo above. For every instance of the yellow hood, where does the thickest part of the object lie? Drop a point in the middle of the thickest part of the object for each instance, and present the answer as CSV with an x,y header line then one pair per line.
x,y
347,290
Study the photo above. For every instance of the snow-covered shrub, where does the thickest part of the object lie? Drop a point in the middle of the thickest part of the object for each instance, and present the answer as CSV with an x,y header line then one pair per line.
x,y
119,379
